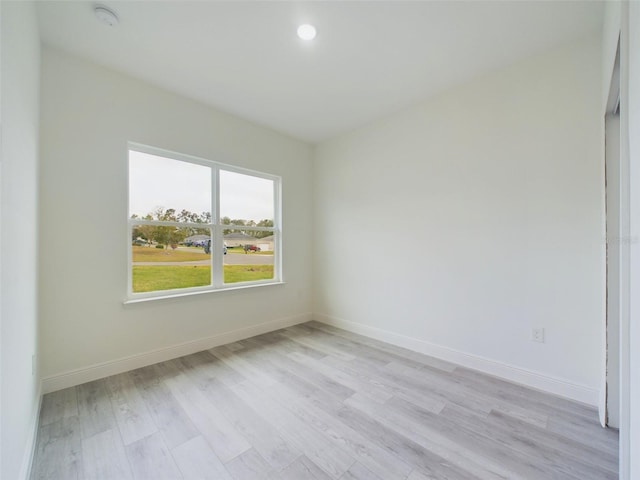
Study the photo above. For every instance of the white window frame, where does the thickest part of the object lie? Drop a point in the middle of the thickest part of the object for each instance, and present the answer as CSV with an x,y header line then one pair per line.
x,y
215,227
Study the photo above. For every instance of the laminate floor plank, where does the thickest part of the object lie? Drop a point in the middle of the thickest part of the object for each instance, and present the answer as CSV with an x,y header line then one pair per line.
x,y
104,457
250,466
167,413
239,364
216,428
386,438
95,409
493,460
301,468
256,355
521,446
59,451
317,447
357,445
201,368
283,342
196,461
150,459
306,339
134,420
395,353
476,435
347,346
359,472
313,376
526,397
462,394
206,365
418,475
426,397
596,459
410,388
416,380
260,433
163,370
235,346
59,405
313,402
376,392
585,431
434,441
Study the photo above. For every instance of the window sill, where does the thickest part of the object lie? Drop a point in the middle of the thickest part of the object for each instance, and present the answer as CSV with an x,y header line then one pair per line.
x,y
130,301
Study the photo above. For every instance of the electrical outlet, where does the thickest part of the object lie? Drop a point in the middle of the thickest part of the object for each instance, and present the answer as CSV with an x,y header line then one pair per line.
x,y
537,335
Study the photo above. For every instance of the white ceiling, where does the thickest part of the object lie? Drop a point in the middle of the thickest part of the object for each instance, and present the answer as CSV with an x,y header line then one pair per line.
x,y
368,60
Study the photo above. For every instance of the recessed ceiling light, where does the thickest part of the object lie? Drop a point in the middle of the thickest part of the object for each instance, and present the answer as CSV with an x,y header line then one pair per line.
x,y
307,32
106,16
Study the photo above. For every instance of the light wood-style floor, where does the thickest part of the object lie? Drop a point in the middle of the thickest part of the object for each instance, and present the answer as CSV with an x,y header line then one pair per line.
x,y
315,402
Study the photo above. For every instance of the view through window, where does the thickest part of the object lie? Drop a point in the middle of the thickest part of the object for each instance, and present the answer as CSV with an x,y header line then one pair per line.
x,y
199,225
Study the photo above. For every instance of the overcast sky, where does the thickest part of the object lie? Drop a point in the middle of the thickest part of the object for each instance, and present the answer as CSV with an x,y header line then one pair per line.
x,y
161,182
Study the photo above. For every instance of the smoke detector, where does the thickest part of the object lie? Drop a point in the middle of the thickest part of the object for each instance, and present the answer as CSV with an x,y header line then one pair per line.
x,y
106,16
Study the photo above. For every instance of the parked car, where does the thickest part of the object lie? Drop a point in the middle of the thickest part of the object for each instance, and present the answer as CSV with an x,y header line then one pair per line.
x,y
207,247
251,248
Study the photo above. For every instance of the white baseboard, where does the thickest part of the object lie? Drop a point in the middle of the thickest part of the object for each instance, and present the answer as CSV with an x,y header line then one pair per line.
x,y
113,367
512,373
30,448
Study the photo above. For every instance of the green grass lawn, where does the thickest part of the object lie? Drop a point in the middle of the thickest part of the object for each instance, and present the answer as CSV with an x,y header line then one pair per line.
x,y
153,278
150,254
247,273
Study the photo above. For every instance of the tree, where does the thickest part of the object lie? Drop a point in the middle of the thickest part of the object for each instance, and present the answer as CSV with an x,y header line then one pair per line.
x,y
262,234
191,217
168,235
226,221
187,216
146,232
205,217
135,231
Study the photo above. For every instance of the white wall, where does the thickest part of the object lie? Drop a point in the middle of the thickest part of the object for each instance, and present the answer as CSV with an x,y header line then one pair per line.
x,y
497,186
88,115
19,396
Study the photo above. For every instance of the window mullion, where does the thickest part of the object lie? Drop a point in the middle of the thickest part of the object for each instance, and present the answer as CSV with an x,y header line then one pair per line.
x,y
129,260
217,254
277,229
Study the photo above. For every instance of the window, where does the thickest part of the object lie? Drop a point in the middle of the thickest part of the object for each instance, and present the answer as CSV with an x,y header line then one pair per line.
x,y
195,225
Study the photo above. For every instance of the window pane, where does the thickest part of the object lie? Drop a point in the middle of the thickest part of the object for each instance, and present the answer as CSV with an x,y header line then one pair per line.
x,y
165,189
246,200
163,258
249,256
178,196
